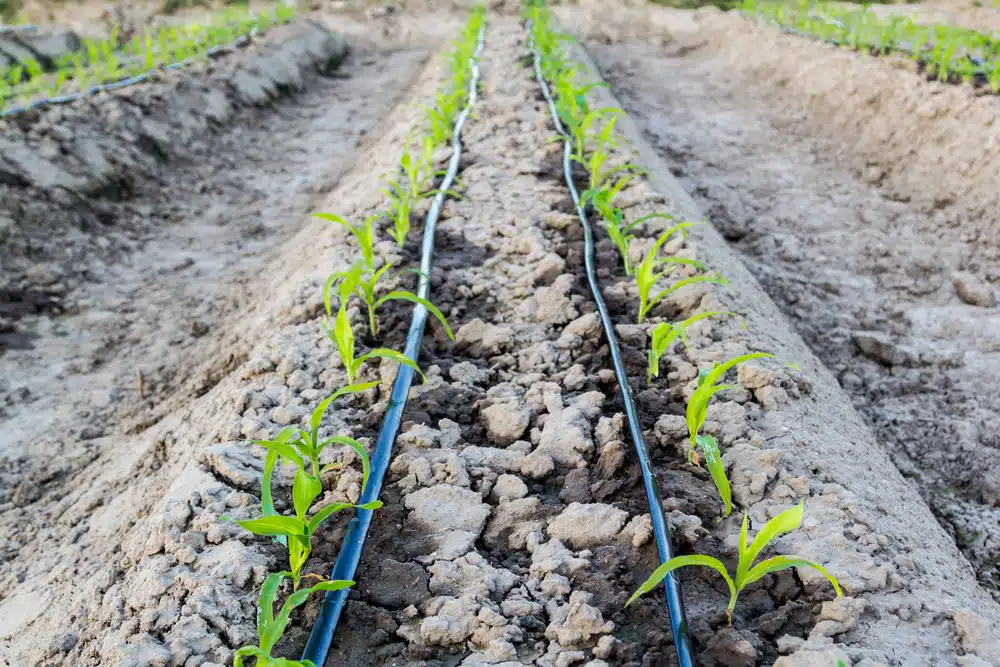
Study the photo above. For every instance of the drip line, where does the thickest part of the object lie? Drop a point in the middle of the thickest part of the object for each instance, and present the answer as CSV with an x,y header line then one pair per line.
x,y
321,636
661,530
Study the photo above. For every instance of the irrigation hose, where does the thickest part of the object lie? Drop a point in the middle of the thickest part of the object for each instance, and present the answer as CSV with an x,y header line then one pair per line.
x,y
321,636
661,530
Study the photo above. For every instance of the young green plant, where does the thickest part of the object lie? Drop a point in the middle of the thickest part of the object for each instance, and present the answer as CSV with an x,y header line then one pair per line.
x,y
343,337
619,232
302,448
647,276
418,175
361,282
696,413
665,333
364,232
746,572
271,627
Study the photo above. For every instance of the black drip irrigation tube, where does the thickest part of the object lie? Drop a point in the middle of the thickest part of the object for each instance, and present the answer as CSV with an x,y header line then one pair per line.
x,y
8,29
132,80
661,530
321,636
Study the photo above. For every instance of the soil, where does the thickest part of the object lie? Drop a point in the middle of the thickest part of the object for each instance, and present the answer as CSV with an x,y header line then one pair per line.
x,y
515,524
861,261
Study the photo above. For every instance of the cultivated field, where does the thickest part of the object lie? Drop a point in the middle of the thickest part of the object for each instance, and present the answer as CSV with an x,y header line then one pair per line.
x,y
464,336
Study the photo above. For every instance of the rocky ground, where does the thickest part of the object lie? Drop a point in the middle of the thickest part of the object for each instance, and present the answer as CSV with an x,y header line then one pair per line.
x,y
515,524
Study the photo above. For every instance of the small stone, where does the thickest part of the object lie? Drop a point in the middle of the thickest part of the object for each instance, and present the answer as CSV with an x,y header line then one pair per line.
x,y
505,422
468,373
973,290
537,465
754,377
878,346
282,416
605,648
728,648
611,460
583,526
555,585
576,487
509,487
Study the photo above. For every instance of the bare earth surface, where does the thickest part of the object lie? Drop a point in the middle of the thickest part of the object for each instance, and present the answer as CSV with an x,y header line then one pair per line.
x,y
864,272
515,524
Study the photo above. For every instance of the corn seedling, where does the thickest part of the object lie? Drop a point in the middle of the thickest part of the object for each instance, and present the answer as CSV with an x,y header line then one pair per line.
x,y
647,276
271,627
746,572
614,222
665,333
362,283
364,232
302,448
106,61
418,173
343,337
697,410
308,445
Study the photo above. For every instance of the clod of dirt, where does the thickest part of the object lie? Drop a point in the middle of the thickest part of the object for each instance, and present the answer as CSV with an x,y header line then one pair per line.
x,y
973,290
454,517
588,525
576,623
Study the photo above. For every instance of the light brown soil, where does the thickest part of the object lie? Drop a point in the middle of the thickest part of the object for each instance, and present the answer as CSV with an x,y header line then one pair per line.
x,y
514,526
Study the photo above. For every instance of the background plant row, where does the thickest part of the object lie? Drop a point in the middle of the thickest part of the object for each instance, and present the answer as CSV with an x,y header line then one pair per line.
x,y
947,52
113,62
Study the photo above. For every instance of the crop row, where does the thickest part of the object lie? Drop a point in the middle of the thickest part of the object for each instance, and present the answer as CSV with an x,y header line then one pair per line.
x,y
598,150
363,283
947,53
110,63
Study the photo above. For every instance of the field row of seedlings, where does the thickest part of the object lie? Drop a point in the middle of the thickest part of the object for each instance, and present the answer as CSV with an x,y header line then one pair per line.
x,y
944,52
661,265
516,527
364,283
111,63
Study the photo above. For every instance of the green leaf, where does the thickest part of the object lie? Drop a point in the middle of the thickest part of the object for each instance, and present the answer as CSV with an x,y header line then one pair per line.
x,y
713,462
305,489
403,295
778,563
392,355
263,657
277,628
284,450
330,217
265,601
317,415
660,573
266,498
719,370
274,525
785,522
323,514
358,448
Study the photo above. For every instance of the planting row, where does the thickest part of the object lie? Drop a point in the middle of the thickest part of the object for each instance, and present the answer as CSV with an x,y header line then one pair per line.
x,y
111,63
362,283
596,148
947,53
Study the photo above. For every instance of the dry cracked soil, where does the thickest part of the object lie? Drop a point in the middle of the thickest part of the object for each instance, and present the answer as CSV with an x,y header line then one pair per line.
x,y
162,283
